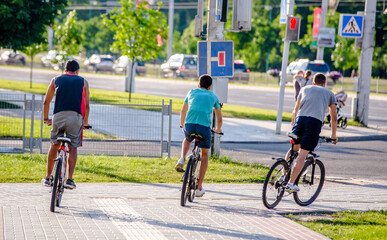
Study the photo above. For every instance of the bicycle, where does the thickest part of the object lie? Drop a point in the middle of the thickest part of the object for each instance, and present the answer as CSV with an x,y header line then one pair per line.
x,y
191,174
310,180
60,171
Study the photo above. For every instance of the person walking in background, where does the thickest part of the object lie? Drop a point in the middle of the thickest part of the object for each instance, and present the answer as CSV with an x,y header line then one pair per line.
x,y
297,81
307,78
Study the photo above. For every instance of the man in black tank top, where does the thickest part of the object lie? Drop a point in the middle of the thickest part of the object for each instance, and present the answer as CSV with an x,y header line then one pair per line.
x,y
71,113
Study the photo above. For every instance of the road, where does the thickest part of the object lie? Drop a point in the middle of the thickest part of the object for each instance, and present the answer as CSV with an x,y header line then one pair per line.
x,y
251,96
353,160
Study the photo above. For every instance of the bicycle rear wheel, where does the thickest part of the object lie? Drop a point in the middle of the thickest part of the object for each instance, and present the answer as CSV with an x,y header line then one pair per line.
x,y
185,191
55,189
274,185
310,181
194,180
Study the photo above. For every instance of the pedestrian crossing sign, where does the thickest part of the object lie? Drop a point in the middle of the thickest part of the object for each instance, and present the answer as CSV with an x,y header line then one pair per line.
x,y
351,25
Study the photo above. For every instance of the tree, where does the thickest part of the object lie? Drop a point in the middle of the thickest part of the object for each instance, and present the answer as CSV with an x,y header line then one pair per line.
x,y
23,22
345,55
96,37
31,51
68,37
136,28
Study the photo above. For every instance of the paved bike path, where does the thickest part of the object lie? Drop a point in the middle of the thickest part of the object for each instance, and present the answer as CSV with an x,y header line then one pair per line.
x,y
152,211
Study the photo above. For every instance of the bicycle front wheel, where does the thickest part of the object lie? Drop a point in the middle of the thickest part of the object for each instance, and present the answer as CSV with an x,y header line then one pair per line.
x,y
55,189
274,186
310,181
194,180
185,191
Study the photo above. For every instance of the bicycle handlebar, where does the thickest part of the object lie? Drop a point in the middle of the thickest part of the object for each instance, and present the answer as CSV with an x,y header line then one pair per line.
x,y
87,127
221,133
328,140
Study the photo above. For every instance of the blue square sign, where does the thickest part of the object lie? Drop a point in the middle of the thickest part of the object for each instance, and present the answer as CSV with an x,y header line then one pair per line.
x,y
351,25
221,58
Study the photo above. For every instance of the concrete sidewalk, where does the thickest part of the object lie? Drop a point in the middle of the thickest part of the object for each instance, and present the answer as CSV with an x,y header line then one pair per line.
x,y
152,211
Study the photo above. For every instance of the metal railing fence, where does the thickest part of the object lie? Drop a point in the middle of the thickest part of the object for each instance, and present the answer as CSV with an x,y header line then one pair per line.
x,y
119,128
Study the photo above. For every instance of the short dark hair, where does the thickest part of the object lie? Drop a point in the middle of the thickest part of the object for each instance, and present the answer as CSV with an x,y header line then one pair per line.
x,y
72,65
205,81
319,79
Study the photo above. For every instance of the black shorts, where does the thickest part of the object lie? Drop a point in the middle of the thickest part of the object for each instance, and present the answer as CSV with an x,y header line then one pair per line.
x,y
308,131
205,132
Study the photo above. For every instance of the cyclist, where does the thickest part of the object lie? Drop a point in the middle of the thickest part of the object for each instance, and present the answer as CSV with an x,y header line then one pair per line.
x,y
195,117
71,112
307,120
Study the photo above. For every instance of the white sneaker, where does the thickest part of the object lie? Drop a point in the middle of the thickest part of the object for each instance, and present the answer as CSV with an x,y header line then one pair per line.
x,y
200,193
180,165
290,188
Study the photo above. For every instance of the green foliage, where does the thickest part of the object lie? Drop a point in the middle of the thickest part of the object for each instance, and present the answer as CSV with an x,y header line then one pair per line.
x,y
96,37
135,30
69,35
346,55
23,22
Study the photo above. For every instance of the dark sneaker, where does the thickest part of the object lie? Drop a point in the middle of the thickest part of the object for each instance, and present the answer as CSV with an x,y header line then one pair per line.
x,y
70,184
47,182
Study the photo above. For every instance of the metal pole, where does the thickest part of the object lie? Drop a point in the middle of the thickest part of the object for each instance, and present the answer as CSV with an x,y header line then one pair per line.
x,y
283,76
162,129
24,119
32,123
323,17
41,126
169,127
365,60
170,24
215,31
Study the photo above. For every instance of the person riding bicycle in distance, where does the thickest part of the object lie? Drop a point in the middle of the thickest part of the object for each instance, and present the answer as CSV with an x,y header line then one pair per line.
x,y
195,117
307,120
71,113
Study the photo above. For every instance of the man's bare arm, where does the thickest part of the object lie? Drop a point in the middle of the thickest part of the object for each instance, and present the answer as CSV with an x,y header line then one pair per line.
x,y
332,112
183,114
219,120
47,100
296,108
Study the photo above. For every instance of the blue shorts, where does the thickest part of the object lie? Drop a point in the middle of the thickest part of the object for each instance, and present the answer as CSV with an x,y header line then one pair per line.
x,y
205,132
308,130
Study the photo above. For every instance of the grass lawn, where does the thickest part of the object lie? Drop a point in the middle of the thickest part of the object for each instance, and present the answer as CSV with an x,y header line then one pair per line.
x,y
347,224
26,168
106,96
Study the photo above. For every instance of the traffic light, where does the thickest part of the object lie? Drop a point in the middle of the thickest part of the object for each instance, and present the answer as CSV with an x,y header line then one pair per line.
x,y
293,29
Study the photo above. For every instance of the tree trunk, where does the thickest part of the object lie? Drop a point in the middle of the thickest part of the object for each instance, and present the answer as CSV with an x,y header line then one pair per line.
x,y
32,63
131,79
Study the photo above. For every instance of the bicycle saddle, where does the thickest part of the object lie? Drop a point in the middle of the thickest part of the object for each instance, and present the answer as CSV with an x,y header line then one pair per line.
x,y
293,136
196,136
64,139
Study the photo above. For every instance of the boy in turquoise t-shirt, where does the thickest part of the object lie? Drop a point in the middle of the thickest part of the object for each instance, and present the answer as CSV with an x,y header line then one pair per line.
x,y
195,117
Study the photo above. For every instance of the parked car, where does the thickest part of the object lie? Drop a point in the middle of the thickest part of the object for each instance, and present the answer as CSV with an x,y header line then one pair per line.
x,y
99,63
120,66
241,72
304,64
47,60
12,58
180,66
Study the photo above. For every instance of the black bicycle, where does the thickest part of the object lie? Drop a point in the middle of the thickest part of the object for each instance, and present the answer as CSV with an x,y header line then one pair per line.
x,y
310,180
59,173
190,176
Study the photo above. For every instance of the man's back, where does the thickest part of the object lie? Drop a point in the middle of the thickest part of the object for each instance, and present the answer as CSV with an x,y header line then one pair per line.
x,y
314,101
201,103
70,93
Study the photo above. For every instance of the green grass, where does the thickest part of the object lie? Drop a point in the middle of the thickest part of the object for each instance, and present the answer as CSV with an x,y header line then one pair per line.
x,y
346,225
25,168
106,96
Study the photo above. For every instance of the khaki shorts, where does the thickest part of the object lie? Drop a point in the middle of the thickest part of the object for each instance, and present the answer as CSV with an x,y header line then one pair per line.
x,y
68,122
